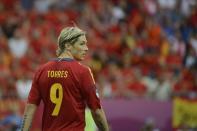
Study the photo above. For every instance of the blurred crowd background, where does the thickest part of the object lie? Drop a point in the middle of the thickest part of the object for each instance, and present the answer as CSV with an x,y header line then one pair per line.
x,y
143,49
137,48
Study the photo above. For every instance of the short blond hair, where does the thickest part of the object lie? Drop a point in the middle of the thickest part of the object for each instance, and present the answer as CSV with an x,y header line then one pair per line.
x,y
68,35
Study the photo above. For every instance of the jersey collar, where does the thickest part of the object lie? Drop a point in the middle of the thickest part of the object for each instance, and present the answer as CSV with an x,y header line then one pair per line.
x,y
62,59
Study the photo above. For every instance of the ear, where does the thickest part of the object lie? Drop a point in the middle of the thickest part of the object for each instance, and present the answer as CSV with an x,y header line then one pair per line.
x,y
68,47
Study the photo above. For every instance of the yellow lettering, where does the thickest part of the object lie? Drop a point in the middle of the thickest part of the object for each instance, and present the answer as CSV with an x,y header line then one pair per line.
x,y
65,74
57,74
52,74
57,100
48,72
60,74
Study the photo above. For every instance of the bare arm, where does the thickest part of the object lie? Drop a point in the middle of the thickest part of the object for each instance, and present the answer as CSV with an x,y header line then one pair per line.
x,y
100,119
28,116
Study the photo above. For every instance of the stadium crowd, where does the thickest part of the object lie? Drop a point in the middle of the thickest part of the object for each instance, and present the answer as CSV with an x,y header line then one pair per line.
x,y
137,48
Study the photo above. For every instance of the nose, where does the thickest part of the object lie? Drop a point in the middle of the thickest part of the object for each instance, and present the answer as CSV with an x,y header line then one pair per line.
x,y
86,48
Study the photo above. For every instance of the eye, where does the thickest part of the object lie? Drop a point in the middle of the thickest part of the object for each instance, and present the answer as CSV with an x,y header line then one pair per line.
x,y
82,43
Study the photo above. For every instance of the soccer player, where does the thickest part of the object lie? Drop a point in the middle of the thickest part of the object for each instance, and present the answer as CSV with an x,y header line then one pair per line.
x,y
65,86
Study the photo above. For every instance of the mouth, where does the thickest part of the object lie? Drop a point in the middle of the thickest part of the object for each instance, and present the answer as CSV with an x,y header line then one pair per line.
x,y
84,54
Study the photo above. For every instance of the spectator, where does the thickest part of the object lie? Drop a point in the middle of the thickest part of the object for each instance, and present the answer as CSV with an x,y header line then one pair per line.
x,y
163,91
147,34
13,121
23,86
18,44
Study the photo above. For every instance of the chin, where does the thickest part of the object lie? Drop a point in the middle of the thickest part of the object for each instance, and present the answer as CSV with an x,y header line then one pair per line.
x,y
79,59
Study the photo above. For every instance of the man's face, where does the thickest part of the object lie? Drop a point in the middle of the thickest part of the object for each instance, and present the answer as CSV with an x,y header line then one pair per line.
x,y
80,48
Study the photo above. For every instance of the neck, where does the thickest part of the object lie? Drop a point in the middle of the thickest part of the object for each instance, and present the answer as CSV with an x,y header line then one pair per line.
x,y
66,54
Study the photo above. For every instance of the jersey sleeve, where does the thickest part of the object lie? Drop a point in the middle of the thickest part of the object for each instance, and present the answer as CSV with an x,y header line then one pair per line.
x,y
89,90
34,94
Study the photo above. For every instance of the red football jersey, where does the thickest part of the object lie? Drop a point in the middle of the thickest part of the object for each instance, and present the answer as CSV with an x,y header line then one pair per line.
x,y
65,86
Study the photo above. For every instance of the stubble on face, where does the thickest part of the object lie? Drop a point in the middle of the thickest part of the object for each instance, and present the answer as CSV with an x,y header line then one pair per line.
x,y
80,48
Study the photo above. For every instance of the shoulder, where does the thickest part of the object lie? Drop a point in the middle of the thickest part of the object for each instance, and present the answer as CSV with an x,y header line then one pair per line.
x,y
84,68
40,69
87,72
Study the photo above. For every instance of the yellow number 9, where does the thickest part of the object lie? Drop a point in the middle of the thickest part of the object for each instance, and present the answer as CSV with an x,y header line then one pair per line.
x,y
56,95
